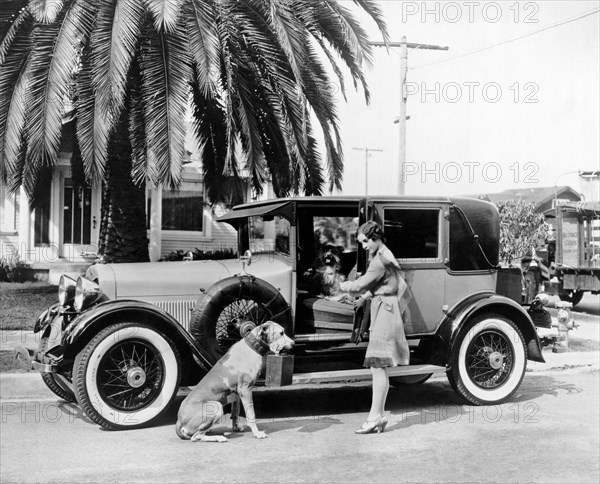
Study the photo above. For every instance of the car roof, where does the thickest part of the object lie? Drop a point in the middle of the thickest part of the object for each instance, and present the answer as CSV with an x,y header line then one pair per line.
x,y
358,198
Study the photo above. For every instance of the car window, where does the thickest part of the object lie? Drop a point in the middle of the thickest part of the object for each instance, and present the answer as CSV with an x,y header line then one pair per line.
x,y
337,231
269,235
413,233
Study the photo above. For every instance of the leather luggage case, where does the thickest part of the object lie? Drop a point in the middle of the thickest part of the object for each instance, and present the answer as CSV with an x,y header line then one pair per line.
x,y
280,369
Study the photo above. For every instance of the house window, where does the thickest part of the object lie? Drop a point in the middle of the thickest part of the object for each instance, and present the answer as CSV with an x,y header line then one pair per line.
x,y
9,211
183,209
77,214
42,216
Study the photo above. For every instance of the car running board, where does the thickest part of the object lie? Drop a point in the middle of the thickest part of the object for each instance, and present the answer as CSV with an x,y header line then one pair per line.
x,y
363,374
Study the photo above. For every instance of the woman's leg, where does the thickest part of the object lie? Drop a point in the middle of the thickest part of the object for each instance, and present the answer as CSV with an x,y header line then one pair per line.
x,y
381,385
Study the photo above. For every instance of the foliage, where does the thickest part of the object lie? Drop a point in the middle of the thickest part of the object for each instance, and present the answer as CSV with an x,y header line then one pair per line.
x,y
522,229
198,254
9,265
256,71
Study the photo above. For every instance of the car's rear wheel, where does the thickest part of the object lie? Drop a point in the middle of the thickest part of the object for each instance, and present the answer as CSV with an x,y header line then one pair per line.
x,y
232,308
126,376
488,360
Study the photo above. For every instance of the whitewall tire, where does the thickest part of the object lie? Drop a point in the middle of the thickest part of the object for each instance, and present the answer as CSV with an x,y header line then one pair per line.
x,y
126,376
488,360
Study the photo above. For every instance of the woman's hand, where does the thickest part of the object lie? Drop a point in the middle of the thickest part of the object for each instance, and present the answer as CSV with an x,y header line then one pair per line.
x,y
360,302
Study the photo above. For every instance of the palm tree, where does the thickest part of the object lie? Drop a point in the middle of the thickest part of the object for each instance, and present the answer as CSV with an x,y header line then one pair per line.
x,y
255,71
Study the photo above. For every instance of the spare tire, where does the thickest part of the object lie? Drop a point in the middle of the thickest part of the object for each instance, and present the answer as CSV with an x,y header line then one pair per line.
x,y
231,308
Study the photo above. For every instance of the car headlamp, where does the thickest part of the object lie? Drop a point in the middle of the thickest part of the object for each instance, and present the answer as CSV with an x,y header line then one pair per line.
x,y
86,294
66,290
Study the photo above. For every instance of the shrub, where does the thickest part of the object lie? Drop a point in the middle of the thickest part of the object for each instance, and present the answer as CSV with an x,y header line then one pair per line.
x,y
8,266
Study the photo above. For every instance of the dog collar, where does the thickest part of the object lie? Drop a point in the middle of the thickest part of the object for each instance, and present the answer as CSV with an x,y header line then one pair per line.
x,y
256,344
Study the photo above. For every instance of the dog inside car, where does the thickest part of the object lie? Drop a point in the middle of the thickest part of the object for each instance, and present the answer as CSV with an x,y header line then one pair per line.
x,y
330,276
229,381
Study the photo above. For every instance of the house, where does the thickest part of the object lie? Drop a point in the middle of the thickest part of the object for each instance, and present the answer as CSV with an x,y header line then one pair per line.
x,y
64,228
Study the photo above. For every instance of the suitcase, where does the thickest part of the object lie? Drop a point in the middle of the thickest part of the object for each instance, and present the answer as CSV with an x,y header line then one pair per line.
x,y
280,369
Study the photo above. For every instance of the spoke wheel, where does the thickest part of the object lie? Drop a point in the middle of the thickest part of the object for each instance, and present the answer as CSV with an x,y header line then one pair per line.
x,y
231,308
126,376
131,375
238,319
488,360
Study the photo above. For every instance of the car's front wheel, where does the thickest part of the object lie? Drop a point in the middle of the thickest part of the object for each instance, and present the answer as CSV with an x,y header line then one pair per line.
x,y
488,360
126,376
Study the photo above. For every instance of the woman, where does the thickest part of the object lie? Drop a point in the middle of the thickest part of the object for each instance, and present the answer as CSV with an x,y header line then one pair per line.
x,y
387,342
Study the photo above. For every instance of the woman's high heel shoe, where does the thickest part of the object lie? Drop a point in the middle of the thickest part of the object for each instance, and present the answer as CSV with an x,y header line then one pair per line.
x,y
375,425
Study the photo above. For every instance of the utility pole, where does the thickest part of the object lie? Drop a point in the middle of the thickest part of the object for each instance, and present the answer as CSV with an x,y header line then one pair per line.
x,y
404,46
367,151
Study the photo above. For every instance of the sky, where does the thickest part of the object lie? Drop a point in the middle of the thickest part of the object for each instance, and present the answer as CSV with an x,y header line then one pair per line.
x,y
521,114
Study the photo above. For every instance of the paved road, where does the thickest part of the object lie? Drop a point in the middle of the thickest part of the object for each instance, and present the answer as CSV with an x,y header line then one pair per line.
x,y
549,432
590,304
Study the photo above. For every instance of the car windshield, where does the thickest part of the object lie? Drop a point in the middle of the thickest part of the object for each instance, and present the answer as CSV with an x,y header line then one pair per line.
x,y
269,235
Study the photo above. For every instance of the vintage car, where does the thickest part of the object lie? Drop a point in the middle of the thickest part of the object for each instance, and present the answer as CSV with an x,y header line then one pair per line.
x,y
122,340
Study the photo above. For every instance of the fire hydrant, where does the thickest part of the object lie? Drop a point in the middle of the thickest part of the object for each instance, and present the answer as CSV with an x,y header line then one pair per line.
x,y
564,323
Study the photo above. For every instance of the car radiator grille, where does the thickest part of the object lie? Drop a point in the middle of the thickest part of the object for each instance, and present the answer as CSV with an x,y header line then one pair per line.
x,y
180,310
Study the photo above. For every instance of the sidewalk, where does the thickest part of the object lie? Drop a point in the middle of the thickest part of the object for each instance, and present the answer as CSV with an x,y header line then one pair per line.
x,y
25,386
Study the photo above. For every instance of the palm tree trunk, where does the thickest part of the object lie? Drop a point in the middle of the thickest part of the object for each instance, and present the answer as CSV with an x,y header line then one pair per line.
x,y
123,236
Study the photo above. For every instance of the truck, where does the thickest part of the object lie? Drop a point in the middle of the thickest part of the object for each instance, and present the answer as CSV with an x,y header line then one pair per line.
x,y
573,257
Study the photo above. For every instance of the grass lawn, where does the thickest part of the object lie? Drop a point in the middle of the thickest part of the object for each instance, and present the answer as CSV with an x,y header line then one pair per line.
x,y
22,302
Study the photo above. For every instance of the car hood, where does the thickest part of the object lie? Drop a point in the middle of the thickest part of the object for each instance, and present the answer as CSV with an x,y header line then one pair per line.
x,y
180,279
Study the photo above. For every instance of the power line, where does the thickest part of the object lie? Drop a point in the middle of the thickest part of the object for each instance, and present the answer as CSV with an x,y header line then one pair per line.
x,y
508,41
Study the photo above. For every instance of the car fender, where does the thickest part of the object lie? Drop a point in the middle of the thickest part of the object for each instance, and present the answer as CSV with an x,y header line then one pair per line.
x,y
484,302
84,326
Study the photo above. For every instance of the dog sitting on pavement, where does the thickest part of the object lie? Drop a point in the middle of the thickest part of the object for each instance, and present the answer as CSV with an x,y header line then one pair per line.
x,y
230,380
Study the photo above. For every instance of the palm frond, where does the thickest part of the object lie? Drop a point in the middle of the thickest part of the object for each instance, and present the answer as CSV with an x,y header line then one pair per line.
x,y
290,34
210,128
14,82
113,46
11,22
45,10
54,61
91,125
374,11
166,72
165,13
200,18
125,36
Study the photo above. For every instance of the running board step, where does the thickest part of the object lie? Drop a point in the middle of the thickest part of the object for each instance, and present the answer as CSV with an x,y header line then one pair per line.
x,y
363,374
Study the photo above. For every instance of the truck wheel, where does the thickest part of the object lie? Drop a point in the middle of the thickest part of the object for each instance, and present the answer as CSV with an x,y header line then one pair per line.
x,y
233,307
126,376
488,360
398,381
574,297
61,384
